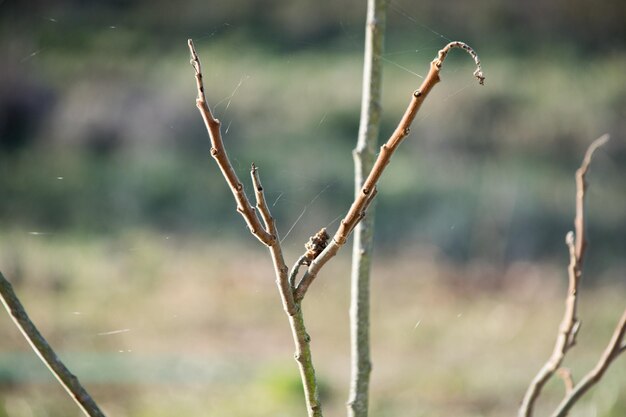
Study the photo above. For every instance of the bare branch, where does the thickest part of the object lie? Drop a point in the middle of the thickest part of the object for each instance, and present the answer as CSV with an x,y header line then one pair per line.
x,y
363,199
611,352
218,152
38,343
261,203
568,329
581,188
364,155
269,236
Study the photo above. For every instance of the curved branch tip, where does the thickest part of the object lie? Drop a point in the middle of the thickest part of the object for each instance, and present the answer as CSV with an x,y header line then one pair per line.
x,y
601,141
462,45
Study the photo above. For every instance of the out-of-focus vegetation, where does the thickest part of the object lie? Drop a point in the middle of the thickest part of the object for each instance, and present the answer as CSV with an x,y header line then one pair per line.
x,y
164,327
99,131
110,204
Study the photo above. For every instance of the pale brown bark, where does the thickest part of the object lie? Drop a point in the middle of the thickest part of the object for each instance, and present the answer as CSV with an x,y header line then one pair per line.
x,y
48,356
570,324
612,351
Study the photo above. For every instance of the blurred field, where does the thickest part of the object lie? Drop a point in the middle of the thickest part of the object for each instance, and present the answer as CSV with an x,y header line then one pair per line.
x,y
490,160
160,325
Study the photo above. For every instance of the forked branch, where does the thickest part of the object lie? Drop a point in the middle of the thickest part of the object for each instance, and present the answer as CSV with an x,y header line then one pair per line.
x,y
38,343
266,233
570,324
611,352
319,251
218,152
368,191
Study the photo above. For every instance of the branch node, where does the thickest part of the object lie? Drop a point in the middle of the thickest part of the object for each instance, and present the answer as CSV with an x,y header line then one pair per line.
x,y
574,333
316,244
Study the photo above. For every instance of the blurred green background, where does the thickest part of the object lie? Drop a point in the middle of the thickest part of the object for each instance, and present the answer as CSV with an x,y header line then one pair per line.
x,y
114,218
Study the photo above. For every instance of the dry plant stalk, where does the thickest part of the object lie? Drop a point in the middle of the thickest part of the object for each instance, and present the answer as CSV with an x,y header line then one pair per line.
x,y
292,294
364,155
267,234
38,343
368,190
570,324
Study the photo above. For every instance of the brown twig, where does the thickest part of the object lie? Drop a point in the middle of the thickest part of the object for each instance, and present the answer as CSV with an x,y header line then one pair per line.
x,y
267,234
581,188
280,267
611,352
364,198
261,203
38,343
296,319
570,325
218,152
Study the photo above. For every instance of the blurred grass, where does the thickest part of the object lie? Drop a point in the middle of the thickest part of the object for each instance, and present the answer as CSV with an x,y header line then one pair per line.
x,y
201,332
122,145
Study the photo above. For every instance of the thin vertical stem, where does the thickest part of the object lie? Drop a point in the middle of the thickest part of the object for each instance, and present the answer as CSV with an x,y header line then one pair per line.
x,y
364,156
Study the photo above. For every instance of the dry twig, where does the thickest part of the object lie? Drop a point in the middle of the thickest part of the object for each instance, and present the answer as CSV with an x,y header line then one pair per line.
x,y
612,351
267,234
48,356
570,324
368,190
218,152
364,155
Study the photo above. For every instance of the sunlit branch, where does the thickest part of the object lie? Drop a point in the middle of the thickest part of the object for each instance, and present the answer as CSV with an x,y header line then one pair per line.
x,y
48,356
